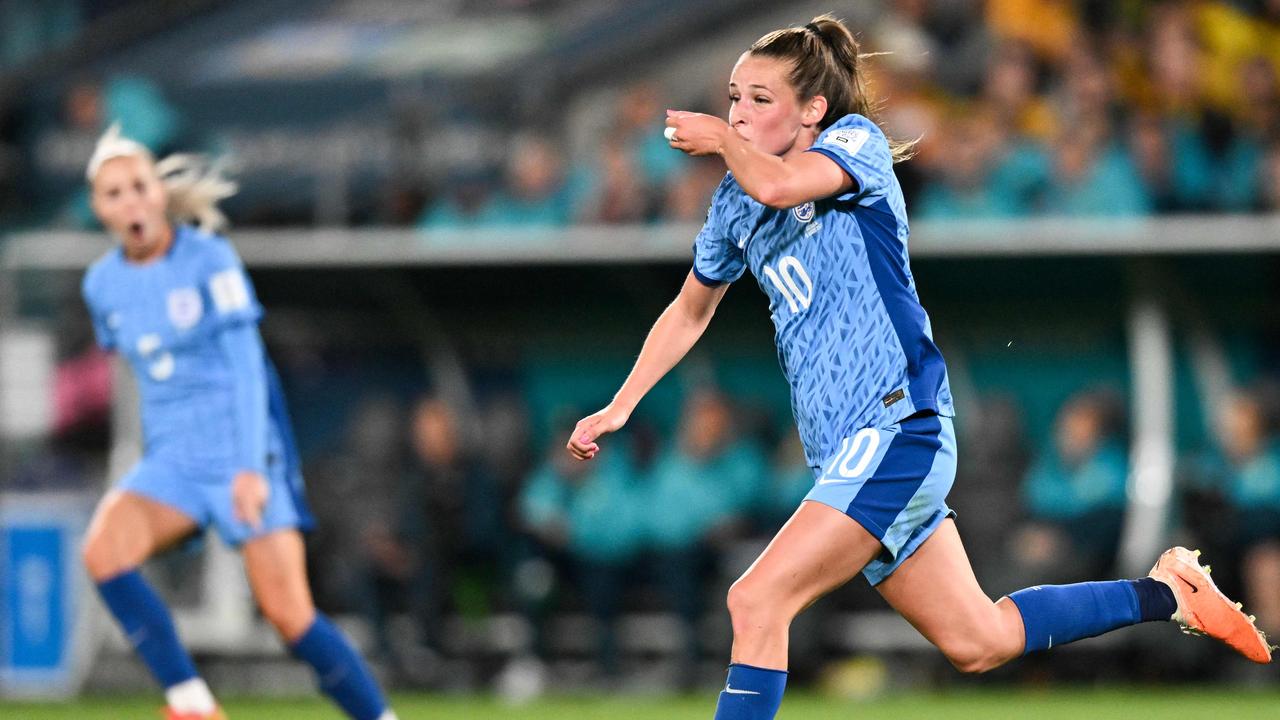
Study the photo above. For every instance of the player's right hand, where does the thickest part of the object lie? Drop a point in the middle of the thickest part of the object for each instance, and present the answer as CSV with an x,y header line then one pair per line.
x,y
249,494
582,443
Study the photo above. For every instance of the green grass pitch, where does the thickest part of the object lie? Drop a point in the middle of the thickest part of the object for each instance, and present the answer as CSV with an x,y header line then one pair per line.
x,y
1047,704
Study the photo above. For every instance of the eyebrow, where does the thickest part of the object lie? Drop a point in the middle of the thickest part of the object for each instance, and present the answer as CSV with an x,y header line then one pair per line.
x,y
753,85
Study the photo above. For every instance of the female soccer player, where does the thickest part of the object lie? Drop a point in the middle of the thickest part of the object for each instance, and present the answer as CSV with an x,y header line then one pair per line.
x,y
811,206
174,299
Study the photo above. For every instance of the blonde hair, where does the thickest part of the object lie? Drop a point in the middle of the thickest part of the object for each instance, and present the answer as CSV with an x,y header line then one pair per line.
x,y
194,185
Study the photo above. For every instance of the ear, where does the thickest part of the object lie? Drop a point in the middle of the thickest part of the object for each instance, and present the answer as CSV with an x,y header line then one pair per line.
x,y
814,111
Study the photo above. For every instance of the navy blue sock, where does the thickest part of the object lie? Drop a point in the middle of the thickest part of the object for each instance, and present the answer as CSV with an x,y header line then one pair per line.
x,y
1059,614
751,693
148,627
342,674
1155,599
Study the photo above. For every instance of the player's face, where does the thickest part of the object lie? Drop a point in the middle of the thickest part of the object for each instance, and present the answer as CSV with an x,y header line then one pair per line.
x,y
129,199
763,107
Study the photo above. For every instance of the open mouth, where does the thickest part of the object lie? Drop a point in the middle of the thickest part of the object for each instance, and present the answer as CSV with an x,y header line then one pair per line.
x,y
135,230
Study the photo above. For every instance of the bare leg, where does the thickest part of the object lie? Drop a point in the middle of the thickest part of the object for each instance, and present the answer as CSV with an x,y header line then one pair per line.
x,y
276,565
936,591
816,551
128,528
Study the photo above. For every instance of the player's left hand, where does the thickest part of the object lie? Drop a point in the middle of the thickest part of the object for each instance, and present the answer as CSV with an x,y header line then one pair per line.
x,y
696,133
249,493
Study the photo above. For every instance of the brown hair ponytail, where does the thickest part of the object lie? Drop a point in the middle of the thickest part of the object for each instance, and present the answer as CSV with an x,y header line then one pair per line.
x,y
826,61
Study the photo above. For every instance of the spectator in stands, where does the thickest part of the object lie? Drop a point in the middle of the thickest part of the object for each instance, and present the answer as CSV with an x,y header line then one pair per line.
x,y
621,196
700,492
1251,485
1269,192
447,544
354,484
1050,27
965,187
463,201
537,192
1093,176
28,29
1173,163
1010,91
1074,495
587,522
637,132
1174,59
1241,173
789,480
689,194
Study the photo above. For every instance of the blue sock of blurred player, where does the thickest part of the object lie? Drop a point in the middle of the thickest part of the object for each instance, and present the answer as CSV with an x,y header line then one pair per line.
x,y
751,693
1059,614
343,675
148,627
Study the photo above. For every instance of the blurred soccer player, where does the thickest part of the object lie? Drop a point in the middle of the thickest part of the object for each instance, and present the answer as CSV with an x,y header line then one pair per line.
x,y
811,206
175,300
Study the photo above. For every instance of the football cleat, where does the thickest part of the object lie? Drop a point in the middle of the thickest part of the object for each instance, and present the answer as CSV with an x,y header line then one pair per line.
x,y
171,714
1204,610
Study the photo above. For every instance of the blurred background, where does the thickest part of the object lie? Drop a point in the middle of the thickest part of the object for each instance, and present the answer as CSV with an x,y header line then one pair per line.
x,y
462,218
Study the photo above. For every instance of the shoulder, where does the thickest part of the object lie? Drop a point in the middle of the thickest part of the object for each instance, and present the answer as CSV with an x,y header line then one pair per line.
x,y
851,133
728,190
207,250
96,277
730,201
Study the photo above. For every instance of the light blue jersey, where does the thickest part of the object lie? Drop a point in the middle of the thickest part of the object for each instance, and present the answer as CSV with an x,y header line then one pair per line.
x,y
853,341
173,319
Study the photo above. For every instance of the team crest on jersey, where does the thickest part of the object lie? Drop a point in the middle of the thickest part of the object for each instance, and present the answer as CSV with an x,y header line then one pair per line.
x,y
803,213
185,308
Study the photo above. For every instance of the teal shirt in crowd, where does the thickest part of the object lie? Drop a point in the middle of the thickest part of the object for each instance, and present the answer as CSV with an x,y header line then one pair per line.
x,y
1256,485
1111,187
1054,491
602,513
688,497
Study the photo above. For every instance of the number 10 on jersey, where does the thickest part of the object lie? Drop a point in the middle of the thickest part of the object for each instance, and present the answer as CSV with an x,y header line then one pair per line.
x,y
791,279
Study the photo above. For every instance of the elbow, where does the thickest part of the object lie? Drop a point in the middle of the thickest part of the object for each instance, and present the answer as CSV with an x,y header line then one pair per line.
x,y
774,195
692,314
698,318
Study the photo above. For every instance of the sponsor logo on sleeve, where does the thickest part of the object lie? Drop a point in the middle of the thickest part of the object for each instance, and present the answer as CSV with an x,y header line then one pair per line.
x,y
849,140
229,290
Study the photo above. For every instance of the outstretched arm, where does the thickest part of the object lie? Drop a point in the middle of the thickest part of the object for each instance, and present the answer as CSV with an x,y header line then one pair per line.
x,y
771,180
676,330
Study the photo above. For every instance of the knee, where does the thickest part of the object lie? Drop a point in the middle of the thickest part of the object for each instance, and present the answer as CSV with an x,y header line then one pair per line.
x,y
972,658
979,654
290,619
104,559
752,609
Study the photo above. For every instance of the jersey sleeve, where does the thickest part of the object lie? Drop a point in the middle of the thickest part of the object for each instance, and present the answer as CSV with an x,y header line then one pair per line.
x,y
716,258
859,147
102,331
227,286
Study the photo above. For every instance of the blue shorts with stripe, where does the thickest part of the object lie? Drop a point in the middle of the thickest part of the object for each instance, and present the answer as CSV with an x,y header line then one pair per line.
x,y
893,481
204,495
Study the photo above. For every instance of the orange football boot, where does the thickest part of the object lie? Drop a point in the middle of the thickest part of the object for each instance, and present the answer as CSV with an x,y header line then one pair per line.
x,y
1204,610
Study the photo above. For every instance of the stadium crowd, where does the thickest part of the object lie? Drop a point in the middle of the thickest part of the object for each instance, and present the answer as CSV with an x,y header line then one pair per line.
x,y
1021,108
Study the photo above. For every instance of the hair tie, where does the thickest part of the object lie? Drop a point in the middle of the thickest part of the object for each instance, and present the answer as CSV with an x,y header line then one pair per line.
x,y
813,28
